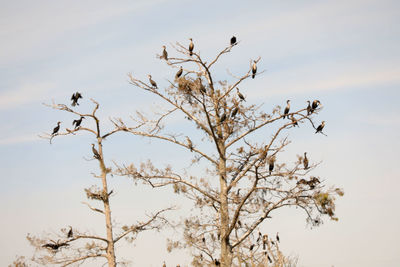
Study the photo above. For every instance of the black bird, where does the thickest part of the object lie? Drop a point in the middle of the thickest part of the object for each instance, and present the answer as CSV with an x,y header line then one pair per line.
x,y
251,247
234,112
309,109
70,233
265,240
56,129
164,53
271,166
179,73
305,161
96,154
216,262
286,109
204,240
152,82
240,95
277,237
223,118
77,123
191,47
55,246
259,237
269,259
315,104
75,98
320,127
254,69
233,40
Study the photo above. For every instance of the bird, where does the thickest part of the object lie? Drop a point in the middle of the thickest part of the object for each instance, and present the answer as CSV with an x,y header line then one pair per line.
x,y
269,259
55,246
251,247
204,240
286,109
190,144
259,237
315,105
56,129
271,166
216,262
70,233
223,118
201,86
320,127
191,46
152,82
233,40
78,122
179,73
294,121
265,240
240,95
305,161
309,109
234,112
277,237
75,98
254,69
96,154
164,53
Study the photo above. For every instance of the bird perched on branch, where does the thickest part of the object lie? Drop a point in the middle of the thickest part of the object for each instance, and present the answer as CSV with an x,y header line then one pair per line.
x,y
271,165
277,237
241,97
320,127
265,240
309,109
294,121
254,69
286,111
233,40
78,122
191,47
189,143
164,53
75,98
152,82
179,73
234,112
70,232
305,161
56,129
55,246
223,118
96,154
315,105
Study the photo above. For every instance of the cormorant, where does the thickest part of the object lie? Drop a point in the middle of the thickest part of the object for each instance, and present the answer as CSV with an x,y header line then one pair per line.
x,y
190,144
191,46
265,240
234,112
251,247
216,262
233,40
271,166
269,259
254,69
201,86
96,154
56,129
153,83
75,98
204,240
305,161
294,121
286,109
164,53
55,246
70,233
259,237
77,123
320,127
315,104
223,118
277,237
179,73
309,109
240,95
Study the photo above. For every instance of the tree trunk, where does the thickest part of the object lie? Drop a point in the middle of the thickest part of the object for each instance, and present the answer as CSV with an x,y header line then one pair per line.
x,y
107,211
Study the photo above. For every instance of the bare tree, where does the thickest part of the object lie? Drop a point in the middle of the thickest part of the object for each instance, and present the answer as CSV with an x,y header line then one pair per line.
x,y
243,181
71,246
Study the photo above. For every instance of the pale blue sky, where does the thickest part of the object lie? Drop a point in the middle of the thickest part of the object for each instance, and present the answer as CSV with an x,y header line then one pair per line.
x,y
344,53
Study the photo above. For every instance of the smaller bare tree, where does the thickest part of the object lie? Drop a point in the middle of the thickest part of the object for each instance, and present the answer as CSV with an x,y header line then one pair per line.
x,y
70,245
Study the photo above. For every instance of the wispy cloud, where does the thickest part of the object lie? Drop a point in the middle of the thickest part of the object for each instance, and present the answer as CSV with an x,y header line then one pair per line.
x,y
18,139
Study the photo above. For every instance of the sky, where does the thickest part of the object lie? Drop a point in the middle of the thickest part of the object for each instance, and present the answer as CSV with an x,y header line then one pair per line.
x,y
344,53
